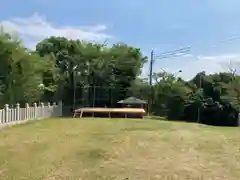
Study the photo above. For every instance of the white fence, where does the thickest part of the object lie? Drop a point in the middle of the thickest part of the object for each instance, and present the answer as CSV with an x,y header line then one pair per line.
x,y
11,116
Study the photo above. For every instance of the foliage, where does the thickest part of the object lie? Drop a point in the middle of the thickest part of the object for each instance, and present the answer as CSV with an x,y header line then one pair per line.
x,y
108,71
20,72
210,99
101,75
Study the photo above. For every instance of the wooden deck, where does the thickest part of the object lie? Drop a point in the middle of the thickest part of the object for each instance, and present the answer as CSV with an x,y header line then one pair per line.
x,y
110,112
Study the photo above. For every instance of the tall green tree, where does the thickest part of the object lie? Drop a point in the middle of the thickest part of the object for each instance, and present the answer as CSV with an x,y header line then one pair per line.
x,y
21,72
103,73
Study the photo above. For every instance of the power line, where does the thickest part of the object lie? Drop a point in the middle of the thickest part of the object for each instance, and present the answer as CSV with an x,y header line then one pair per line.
x,y
186,50
174,55
221,42
177,53
231,39
169,53
164,55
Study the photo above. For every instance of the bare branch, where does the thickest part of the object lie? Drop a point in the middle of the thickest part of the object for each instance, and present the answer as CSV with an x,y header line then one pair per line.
x,y
231,69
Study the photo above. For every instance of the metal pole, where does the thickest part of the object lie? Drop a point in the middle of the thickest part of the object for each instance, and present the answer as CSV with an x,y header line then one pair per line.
x,y
111,93
74,92
87,82
238,117
74,86
94,92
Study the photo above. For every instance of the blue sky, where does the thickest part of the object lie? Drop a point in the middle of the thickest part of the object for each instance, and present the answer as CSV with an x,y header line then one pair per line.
x,y
164,25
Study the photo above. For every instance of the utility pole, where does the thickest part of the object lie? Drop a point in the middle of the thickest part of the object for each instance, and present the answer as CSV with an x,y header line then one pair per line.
x,y
167,54
151,68
150,82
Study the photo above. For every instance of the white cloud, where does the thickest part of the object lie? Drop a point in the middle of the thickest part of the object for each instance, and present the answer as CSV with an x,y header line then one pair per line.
x,y
191,65
209,64
36,28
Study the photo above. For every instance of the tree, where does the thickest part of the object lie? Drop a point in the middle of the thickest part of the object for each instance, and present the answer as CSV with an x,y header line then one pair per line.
x,y
104,74
20,70
101,75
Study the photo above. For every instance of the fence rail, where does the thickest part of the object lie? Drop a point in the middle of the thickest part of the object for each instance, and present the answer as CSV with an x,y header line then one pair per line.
x,y
16,115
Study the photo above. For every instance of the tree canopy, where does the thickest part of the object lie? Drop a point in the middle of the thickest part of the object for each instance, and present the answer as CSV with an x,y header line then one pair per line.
x,y
101,75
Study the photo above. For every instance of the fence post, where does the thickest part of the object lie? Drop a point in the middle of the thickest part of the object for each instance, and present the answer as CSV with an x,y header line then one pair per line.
x,y
54,111
49,109
26,111
42,110
6,113
35,110
60,108
18,111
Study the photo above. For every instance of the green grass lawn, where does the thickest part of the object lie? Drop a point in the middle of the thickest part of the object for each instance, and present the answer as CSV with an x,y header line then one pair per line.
x,y
94,149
